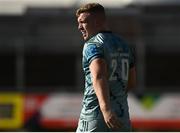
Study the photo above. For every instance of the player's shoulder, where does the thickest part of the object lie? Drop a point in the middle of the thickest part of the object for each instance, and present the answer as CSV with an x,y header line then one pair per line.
x,y
97,40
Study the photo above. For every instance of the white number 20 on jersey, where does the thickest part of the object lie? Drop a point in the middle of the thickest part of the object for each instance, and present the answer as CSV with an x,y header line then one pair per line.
x,y
124,70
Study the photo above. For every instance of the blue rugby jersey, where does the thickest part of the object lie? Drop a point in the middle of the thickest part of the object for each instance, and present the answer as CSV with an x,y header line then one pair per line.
x,y
119,59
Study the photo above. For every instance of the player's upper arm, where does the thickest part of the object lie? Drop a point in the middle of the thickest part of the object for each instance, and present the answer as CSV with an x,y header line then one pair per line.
x,y
132,78
92,51
98,68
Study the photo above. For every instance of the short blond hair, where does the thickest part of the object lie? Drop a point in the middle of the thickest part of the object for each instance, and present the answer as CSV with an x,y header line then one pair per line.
x,y
91,8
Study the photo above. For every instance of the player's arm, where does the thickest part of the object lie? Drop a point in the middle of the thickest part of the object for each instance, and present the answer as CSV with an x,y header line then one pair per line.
x,y
98,68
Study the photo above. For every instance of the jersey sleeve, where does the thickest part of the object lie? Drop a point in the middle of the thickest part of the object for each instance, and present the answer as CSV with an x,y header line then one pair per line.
x,y
93,51
132,57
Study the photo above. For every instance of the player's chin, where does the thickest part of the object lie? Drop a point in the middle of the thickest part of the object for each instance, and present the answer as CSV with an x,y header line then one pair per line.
x,y
85,38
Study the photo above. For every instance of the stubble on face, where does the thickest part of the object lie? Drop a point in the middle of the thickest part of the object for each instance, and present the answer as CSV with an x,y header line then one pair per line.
x,y
86,25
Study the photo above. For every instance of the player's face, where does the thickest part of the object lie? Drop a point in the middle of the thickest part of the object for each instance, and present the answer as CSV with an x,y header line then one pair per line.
x,y
86,25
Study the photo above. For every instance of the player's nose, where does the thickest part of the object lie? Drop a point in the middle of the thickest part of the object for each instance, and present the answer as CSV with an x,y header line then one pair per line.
x,y
80,27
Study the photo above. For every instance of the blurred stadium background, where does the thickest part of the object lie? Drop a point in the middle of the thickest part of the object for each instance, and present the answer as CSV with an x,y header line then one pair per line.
x,y
41,80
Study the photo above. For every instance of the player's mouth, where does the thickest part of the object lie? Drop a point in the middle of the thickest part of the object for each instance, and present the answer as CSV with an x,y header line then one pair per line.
x,y
83,33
